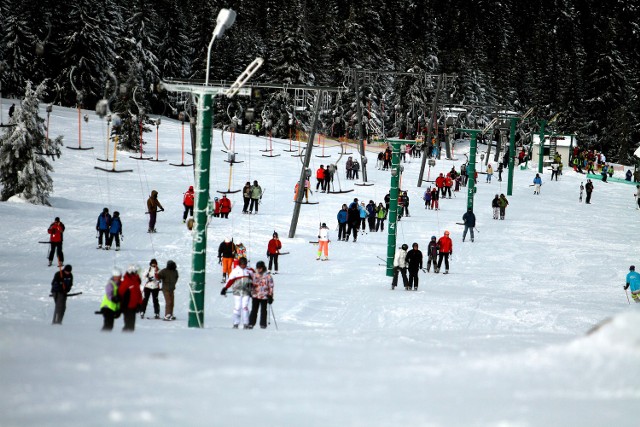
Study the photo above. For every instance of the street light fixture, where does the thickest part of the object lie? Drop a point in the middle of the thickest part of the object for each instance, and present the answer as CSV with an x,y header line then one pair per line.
x,y
226,18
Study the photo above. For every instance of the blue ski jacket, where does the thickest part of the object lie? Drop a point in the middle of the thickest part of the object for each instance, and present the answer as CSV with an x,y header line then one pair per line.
x,y
633,280
116,226
104,222
342,216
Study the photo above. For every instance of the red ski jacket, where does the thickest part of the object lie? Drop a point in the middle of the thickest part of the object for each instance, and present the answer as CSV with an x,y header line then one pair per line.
x,y
56,230
274,246
188,198
440,182
131,282
225,205
446,245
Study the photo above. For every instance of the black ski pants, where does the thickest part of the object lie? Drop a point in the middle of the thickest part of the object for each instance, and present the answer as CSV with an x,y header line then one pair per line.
x,y
110,239
342,230
413,279
129,315
245,206
254,203
60,299
109,316
56,246
156,303
105,233
188,210
588,197
432,259
380,224
396,272
273,260
258,304
444,256
352,227
372,223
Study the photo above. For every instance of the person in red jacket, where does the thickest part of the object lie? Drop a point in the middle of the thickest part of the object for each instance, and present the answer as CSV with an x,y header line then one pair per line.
x,y
273,250
225,206
216,207
446,249
448,183
320,177
188,201
440,184
130,297
55,241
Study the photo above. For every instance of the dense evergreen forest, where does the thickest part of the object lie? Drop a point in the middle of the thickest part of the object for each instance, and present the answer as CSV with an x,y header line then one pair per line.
x,y
578,58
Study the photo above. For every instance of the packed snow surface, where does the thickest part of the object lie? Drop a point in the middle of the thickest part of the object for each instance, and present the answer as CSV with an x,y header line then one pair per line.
x,y
501,341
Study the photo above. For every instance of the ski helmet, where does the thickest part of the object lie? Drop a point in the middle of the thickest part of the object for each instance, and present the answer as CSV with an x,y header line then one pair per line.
x,y
324,225
632,268
404,246
260,265
446,232
68,268
132,269
433,237
116,272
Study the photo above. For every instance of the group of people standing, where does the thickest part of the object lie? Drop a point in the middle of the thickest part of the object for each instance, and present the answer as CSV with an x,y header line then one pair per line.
x,y
110,228
412,261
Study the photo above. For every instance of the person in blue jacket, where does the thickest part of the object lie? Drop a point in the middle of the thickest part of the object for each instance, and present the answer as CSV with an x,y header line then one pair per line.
x,y
115,230
371,215
102,227
342,223
633,282
363,217
537,182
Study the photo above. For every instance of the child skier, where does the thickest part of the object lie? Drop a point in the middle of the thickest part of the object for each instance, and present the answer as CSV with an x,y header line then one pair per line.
x,y
323,242
241,278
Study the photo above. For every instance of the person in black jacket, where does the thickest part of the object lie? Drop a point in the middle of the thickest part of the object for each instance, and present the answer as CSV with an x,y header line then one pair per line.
x,y
353,221
60,287
469,220
432,254
414,262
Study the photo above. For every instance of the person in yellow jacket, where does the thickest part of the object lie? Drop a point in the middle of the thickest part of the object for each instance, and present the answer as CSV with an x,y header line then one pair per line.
x,y
110,307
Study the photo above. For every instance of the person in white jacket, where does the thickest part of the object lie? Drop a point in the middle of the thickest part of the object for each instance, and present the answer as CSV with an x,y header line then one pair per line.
x,y
323,242
151,288
400,266
241,278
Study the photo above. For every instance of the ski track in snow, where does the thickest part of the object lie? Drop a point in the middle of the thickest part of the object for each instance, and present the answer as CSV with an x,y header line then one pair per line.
x,y
498,342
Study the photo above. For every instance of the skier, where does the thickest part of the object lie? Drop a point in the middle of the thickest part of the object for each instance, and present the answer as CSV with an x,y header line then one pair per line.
x,y
489,173
500,169
130,297
554,170
273,250
435,195
637,196
169,277
216,207
362,210
371,215
589,189
342,223
427,198
380,160
349,167
414,261
320,177
110,306
603,172
256,195
448,183
115,230
102,227
440,185
405,203
503,203
387,159
581,191
495,205
153,204
537,182
225,206
328,177
355,170
633,281
323,242
381,214
628,175
469,220
241,278
246,197
387,202
400,267
56,230
151,288
226,255
432,254
261,295
353,221
445,247
187,201
60,287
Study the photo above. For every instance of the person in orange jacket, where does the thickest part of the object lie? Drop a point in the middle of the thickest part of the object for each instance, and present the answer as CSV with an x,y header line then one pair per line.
x,y
225,206
446,249
130,297
187,201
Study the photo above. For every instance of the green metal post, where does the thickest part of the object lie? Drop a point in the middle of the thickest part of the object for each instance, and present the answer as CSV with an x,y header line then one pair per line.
x,y
202,172
471,167
512,155
543,124
393,206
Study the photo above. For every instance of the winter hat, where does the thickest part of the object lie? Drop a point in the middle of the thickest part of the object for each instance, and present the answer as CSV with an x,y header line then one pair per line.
x,y
105,210
116,272
324,225
433,237
67,268
191,188
632,268
404,246
116,213
132,269
57,219
260,265
227,239
274,235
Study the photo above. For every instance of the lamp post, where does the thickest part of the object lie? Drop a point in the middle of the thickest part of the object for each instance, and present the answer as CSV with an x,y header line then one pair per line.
x,y
226,18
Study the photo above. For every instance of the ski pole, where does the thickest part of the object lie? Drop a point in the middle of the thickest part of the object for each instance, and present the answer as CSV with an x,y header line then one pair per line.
x,y
627,294
274,317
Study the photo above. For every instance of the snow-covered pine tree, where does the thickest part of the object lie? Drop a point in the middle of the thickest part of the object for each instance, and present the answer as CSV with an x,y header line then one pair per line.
x,y
128,109
24,150
18,41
